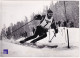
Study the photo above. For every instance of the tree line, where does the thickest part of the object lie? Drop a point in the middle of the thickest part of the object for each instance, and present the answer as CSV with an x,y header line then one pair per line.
x,y
72,13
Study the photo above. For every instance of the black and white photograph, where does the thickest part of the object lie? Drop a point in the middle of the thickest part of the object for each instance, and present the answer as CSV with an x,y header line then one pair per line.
x,y
39,28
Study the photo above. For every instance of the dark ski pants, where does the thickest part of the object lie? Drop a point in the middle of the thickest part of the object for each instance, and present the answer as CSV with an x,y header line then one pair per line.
x,y
39,31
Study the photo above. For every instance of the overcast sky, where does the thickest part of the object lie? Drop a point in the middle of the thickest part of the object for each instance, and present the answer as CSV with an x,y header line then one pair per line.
x,y
13,11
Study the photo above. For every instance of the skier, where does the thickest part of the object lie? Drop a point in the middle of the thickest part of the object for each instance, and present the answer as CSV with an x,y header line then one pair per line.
x,y
41,29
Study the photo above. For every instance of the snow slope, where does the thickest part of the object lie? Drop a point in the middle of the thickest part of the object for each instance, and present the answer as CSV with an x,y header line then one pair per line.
x,y
18,50
60,51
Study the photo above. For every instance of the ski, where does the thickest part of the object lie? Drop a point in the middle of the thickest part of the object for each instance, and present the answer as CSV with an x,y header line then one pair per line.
x,y
38,46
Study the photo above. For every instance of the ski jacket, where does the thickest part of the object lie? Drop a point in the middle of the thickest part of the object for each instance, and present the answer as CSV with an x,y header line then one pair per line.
x,y
46,23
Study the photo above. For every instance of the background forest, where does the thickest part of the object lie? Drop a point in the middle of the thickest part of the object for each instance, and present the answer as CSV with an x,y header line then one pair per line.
x,y
72,19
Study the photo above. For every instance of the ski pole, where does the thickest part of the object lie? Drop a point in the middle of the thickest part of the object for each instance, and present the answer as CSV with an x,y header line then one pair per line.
x,y
36,17
51,39
21,26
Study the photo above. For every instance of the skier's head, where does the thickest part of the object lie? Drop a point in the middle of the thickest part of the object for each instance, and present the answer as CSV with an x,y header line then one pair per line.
x,y
49,13
38,17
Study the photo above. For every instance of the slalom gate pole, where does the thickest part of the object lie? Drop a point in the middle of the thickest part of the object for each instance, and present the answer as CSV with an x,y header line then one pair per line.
x,y
68,39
